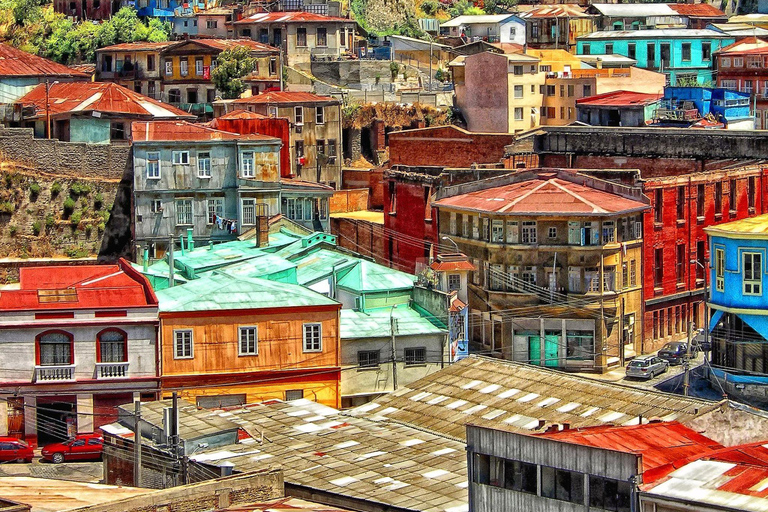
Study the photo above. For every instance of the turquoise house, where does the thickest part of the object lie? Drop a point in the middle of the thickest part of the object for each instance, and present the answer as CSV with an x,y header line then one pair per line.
x,y
682,54
738,304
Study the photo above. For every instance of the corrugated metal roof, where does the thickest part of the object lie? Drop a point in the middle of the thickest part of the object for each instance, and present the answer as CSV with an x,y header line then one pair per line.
x,y
155,131
365,276
193,423
544,194
555,11
106,97
655,33
753,226
138,46
375,323
285,97
290,17
221,291
620,99
242,114
286,504
481,19
515,396
18,63
49,495
701,10
634,10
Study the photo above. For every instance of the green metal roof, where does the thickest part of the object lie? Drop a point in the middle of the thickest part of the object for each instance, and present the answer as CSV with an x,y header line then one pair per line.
x,y
375,323
265,266
221,291
319,265
369,277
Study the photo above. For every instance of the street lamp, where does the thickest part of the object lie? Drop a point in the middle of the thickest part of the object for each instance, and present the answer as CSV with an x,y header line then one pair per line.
x,y
454,243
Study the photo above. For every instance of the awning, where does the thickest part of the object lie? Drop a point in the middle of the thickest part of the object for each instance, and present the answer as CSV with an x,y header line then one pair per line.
x,y
758,322
715,319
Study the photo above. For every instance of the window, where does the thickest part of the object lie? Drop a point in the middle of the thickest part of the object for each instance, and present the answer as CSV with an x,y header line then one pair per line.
x,y
658,267
368,358
561,484
55,348
273,66
331,150
631,50
184,66
320,147
183,212
204,165
249,341
497,231
112,346
624,276
517,70
732,195
319,115
528,275
580,345
529,232
658,206
738,62
518,91
700,200
392,197
545,69
153,165
609,232
215,209
322,36
706,51
751,192
753,273
117,131
293,394
249,211
486,229
454,282
169,67
587,90
181,157
415,356
633,273
182,344
609,494
301,36
199,66
155,206
719,198
680,263
150,62
609,49
246,165
719,269
313,341
586,49
174,96
496,276
298,115
686,52
211,24
550,90
552,232
680,203
562,90
518,114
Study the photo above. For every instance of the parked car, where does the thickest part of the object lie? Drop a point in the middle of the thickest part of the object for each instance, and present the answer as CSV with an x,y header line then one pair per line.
x,y
12,449
646,367
701,341
674,352
80,447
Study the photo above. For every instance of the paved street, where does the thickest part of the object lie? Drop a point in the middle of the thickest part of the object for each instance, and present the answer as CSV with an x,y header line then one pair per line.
x,y
90,472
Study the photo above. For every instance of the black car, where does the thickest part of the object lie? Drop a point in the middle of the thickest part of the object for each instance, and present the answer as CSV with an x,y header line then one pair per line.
x,y
674,352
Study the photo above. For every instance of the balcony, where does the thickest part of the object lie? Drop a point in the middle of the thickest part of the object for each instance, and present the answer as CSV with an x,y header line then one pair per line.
x,y
666,114
111,370
58,373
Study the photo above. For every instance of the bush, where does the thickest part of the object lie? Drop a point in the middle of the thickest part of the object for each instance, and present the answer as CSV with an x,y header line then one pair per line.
x,y
12,230
76,189
76,218
430,7
7,207
49,221
36,227
34,190
394,69
55,188
69,206
98,201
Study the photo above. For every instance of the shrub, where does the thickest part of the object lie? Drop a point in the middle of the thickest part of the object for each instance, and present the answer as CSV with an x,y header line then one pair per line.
x,y
394,69
36,227
7,207
98,201
49,221
75,189
55,188
12,230
34,190
69,206
76,218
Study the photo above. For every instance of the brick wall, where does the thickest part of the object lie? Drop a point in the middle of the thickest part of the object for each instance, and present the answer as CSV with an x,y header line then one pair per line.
x,y
362,237
349,200
372,179
446,146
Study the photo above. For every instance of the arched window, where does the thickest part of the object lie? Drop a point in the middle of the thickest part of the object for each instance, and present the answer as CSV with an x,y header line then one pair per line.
x,y
112,346
55,348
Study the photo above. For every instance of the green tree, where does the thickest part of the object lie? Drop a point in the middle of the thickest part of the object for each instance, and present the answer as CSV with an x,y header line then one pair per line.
x,y
232,65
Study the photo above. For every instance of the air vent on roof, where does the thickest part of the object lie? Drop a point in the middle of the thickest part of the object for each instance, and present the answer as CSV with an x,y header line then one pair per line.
x,y
60,295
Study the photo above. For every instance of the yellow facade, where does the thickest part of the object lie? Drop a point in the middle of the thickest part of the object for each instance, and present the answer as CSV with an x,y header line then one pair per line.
x,y
524,85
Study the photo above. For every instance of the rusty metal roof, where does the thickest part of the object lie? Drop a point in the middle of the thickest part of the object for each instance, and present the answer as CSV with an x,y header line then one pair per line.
x,y
520,397
545,194
555,11
290,17
50,495
101,97
17,63
620,99
701,10
242,114
155,131
285,97
138,46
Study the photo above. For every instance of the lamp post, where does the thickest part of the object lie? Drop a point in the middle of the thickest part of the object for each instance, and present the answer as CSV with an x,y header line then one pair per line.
x,y
452,241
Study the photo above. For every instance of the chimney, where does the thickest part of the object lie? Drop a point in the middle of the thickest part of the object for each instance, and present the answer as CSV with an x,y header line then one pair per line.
x,y
542,423
566,426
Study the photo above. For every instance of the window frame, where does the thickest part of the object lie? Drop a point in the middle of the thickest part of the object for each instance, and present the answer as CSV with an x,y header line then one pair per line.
x,y
183,158
217,210
248,171
176,353
243,207
368,364
157,175
319,115
39,351
202,172
316,340
755,283
177,203
719,269
99,342
298,116
414,360
244,329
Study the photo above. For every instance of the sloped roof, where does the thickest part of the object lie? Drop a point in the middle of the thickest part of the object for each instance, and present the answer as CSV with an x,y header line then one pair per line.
x,y
656,33
192,427
78,287
701,10
103,97
18,63
366,276
634,10
481,19
746,45
555,11
153,131
545,195
620,99
514,396
375,323
290,17
223,292
286,97
660,444
242,114
752,227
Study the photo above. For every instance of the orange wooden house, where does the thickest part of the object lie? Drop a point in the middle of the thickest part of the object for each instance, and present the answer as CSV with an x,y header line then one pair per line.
x,y
229,340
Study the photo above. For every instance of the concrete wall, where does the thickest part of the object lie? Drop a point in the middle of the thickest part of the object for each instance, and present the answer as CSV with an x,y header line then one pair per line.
x,y
365,178
483,95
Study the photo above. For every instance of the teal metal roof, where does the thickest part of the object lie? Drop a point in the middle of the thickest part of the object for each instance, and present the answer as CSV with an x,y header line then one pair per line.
x,y
221,291
375,323
265,266
369,277
319,265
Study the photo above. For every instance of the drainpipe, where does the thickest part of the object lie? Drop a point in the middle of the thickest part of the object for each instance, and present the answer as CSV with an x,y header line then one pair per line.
x,y
145,263
190,240
171,263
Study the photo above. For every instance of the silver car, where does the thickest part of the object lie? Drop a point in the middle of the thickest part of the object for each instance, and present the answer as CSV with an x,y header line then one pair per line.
x,y
646,367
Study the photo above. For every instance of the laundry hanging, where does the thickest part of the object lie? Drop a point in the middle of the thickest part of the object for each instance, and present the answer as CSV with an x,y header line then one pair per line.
x,y
229,225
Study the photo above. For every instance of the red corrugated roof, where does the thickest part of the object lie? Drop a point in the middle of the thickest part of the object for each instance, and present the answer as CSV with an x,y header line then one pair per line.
x,y
543,194
555,11
220,44
15,62
620,99
289,17
447,266
698,10
223,44
242,114
660,444
286,97
183,130
138,46
106,97
78,287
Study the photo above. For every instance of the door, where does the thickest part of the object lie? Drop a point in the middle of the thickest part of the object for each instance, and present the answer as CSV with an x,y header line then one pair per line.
x,y
534,349
277,38
551,346
665,55
16,417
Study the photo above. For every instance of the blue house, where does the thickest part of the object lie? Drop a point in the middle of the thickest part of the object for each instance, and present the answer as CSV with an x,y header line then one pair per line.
x,y
682,106
682,54
739,307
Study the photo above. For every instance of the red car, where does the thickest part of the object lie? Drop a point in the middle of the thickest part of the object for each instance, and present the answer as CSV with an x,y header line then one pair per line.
x,y
12,449
80,447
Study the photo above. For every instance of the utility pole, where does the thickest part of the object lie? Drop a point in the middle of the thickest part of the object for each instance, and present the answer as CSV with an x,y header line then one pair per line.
x,y
47,110
392,346
171,243
137,444
687,362
430,63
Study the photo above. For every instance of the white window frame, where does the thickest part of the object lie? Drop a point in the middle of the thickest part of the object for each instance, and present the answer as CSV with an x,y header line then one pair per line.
x,y
250,351
214,206
719,269
312,337
248,170
452,282
518,92
184,67
497,231
156,205
298,115
520,111
199,67
183,353
180,158
178,204
753,285
319,115
204,165
609,231
248,204
168,67
529,233
552,232
153,174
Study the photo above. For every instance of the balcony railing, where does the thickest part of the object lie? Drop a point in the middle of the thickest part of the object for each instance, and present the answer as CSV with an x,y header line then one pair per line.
x,y
64,372
677,114
111,370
